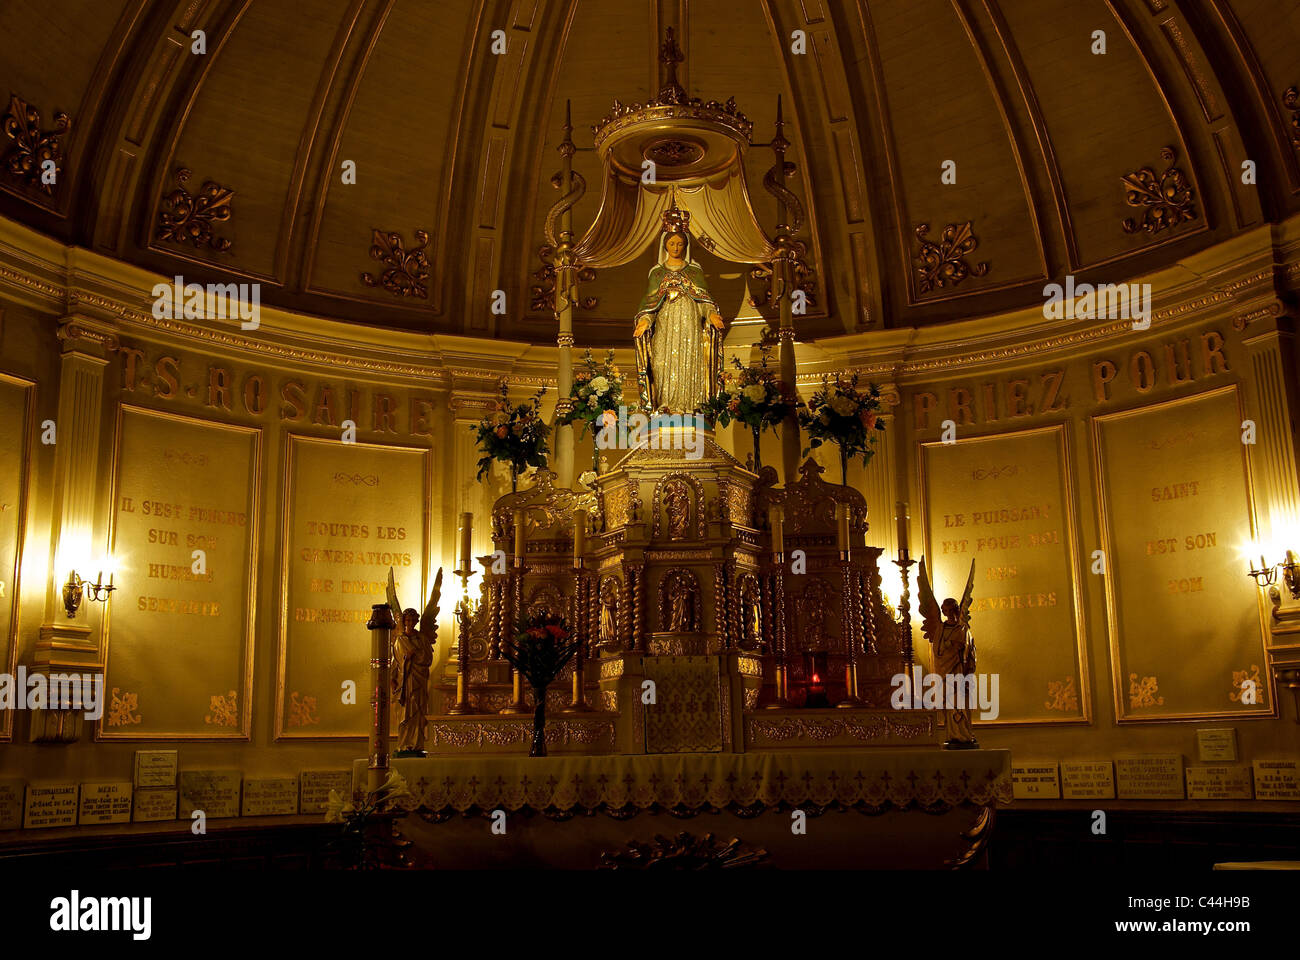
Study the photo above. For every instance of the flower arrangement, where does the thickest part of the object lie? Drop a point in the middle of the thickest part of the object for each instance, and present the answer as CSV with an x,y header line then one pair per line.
x,y
846,415
355,814
754,396
595,397
540,650
513,434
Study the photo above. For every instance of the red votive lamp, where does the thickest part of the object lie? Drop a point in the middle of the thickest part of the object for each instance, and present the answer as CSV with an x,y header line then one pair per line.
x,y
814,671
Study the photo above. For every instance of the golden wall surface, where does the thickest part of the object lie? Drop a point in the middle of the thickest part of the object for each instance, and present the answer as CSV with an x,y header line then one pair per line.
x,y
1070,442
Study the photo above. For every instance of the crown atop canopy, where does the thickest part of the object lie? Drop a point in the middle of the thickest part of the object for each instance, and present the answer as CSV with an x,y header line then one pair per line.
x,y
688,139
676,220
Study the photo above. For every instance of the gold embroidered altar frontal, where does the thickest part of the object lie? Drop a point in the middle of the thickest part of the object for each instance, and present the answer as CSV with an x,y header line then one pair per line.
x,y
933,780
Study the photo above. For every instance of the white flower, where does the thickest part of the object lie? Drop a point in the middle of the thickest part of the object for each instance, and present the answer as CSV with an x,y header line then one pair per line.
x,y
593,401
336,807
843,405
755,392
600,384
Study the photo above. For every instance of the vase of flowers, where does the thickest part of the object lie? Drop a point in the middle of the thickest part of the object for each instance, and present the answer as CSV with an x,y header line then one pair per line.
x,y
846,414
754,396
542,646
365,819
594,399
513,434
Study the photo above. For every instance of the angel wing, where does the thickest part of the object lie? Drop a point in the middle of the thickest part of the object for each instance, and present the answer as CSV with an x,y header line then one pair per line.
x,y
392,600
429,619
931,614
964,616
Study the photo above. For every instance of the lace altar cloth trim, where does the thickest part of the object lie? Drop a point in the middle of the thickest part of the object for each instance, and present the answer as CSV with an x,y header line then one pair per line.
x,y
933,780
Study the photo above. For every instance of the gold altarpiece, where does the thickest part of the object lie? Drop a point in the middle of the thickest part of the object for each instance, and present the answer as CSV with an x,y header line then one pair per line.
x,y
681,586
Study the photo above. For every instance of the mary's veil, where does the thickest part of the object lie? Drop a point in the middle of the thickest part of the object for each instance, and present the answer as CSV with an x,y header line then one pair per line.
x,y
663,254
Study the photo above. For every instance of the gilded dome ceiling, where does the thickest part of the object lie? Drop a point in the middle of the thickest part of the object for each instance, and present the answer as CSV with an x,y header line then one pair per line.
x,y
390,162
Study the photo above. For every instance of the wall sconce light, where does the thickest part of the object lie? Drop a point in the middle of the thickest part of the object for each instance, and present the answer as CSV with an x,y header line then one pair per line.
x,y
1291,575
76,588
1265,575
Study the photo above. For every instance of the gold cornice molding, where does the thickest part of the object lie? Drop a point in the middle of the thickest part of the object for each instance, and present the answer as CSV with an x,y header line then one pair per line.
x,y
1235,282
1240,281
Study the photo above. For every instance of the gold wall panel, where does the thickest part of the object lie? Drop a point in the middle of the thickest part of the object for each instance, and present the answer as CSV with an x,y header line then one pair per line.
x,y
17,411
178,635
1006,501
351,510
1177,524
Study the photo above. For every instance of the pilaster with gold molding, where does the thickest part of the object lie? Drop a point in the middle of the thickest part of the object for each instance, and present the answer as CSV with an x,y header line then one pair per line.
x,y
1271,403
66,644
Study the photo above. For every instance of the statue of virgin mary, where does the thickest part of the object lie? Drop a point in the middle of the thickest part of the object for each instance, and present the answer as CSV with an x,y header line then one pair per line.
x,y
678,330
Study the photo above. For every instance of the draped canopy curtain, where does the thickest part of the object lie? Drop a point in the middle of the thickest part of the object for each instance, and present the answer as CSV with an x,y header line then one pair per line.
x,y
631,212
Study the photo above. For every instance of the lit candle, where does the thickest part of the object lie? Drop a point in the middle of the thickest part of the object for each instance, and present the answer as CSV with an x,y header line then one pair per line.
x,y
777,521
466,540
842,528
579,535
902,528
519,535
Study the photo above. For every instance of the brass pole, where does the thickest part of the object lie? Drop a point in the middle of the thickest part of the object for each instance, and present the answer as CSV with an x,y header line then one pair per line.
x,y
781,279
381,651
565,277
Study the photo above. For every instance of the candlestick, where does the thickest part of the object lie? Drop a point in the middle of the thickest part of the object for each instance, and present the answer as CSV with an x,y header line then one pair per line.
x,y
466,540
464,619
579,535
520,537
842,528
902,528
776,521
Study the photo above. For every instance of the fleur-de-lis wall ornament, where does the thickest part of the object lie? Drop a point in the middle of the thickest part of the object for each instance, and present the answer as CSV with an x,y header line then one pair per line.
x,y
30,149
188,217
1166,197
408,270
944,263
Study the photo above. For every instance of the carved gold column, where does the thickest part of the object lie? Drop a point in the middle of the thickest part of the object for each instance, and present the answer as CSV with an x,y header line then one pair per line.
x,y
721,605
65,644
636,575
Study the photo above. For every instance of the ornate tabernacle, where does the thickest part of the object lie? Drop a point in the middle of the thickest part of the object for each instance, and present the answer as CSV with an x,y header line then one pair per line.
x,y
701,595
